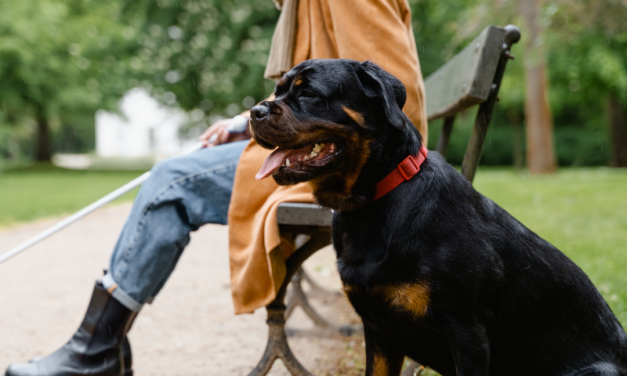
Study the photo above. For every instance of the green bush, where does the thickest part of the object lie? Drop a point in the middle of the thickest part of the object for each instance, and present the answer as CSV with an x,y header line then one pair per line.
x,y
574,145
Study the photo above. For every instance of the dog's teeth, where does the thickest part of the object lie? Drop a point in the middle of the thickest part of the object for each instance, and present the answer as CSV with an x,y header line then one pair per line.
x,y
317,148
313,154
306,158
287,162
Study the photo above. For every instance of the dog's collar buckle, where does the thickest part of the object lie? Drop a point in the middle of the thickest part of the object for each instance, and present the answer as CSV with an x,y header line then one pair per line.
x,y
405,170
408,167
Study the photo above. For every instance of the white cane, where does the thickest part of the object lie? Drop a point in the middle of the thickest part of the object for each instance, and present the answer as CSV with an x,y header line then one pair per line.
x,y
239,124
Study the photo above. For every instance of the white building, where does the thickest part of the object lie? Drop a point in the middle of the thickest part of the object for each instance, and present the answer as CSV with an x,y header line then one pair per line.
x,y
146,129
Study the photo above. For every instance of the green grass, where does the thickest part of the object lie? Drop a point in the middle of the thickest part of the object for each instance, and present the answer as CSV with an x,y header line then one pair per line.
x,y
32,193
583,212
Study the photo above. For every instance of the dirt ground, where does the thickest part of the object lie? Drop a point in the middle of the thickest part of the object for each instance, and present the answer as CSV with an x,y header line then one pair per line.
x,y
190,328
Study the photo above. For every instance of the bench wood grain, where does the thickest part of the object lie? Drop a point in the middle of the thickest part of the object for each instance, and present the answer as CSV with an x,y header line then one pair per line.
x,y
466,79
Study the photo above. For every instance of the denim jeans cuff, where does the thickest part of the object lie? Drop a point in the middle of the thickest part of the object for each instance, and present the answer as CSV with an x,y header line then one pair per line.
x,y
119,294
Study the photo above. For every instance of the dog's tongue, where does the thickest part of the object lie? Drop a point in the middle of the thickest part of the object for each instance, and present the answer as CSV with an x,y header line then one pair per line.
x,y
271,164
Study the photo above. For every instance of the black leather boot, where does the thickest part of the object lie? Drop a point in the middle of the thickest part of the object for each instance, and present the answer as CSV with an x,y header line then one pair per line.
x,y
98,348
127,356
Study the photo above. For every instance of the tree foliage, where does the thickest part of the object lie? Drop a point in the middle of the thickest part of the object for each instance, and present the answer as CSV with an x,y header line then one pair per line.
x,y
59,63
210,54
587,63
66,58
590,50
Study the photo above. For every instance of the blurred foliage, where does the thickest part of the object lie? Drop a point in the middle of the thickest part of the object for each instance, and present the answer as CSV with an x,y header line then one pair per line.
x,y
586,45
59,61
208,56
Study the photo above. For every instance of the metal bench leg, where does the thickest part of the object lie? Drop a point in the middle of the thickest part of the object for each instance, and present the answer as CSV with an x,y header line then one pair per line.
x,y
475,145
277,346
298,298
316,289
301,240
445,135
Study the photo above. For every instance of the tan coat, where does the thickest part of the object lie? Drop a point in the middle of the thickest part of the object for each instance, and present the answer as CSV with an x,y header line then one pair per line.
x,y
376,30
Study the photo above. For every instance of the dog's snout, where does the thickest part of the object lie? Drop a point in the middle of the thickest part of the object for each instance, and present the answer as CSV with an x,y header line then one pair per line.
x,y
259,112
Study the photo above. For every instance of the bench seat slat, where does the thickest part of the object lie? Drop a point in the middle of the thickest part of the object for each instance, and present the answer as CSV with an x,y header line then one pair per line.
x,y
300,214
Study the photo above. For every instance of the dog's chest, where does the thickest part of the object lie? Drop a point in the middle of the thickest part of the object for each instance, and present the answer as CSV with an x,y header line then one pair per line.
x,y
407,300
381,276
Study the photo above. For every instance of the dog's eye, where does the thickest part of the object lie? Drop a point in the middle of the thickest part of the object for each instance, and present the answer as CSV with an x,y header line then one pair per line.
x,y
306,94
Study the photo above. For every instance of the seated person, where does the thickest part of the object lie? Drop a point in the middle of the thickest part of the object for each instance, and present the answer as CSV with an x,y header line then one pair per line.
x,y
216,185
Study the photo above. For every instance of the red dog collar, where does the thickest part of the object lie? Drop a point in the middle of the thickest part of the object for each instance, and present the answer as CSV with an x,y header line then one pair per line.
x,y
406,170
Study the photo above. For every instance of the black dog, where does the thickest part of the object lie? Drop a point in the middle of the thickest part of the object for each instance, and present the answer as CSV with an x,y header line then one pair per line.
x,y
436,271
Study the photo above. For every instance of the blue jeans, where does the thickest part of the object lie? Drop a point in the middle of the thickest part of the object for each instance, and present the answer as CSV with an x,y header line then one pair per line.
x,y
181,195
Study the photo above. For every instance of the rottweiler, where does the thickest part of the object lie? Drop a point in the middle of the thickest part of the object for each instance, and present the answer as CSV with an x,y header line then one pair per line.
x,y
437,271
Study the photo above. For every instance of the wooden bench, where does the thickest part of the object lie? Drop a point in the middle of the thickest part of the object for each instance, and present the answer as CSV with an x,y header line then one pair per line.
x,y
472,77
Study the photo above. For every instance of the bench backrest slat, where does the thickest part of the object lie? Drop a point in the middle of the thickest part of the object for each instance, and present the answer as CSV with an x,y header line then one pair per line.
x,y
465,80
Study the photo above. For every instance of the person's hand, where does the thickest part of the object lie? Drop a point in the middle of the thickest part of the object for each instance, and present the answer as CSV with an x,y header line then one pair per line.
x,y
223,135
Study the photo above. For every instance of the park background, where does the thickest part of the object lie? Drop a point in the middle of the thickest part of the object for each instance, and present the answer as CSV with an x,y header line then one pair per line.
x,y
63,60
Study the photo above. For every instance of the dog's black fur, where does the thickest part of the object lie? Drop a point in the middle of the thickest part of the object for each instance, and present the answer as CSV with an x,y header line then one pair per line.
x,y
436,271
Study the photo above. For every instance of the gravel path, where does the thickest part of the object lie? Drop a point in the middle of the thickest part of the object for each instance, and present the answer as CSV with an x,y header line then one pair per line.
x,y
190,328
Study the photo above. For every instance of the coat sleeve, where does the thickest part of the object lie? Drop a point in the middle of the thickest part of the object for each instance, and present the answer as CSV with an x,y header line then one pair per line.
x,y
381,31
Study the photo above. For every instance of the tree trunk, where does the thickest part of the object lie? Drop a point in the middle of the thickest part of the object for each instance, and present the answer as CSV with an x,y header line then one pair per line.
x,y
540,154
44,149
618,132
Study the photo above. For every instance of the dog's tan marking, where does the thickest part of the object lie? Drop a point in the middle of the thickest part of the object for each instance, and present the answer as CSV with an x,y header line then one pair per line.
x,y
359,118
411,297
348,290
335,189
380,366
363,151
282,81
358,152
298,81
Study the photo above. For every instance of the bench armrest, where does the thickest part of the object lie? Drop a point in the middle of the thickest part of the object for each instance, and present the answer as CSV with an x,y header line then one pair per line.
x,y
465,80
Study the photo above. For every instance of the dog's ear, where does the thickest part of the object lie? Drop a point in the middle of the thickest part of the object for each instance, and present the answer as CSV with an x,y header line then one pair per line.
x,y
378,83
